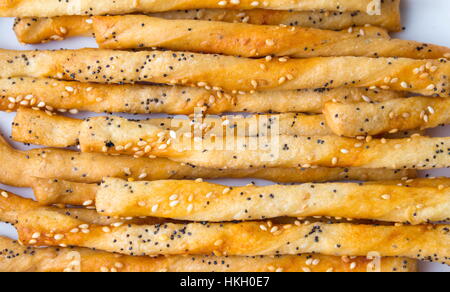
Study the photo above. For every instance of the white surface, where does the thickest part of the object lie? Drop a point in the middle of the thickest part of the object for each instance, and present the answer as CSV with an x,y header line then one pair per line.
x,y
425,21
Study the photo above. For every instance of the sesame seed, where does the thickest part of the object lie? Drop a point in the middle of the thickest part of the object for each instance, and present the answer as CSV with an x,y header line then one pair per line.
x,y
5,195
174,204
386,197
58,236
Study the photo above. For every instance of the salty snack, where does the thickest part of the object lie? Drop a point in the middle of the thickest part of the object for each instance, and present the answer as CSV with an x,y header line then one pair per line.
x,y
115,135
398,201
248,40
71,97
18,258
33,8
19,168
232,74
35,30
37,127
424,242
392,116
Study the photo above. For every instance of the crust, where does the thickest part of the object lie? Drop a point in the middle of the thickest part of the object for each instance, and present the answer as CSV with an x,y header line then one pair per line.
x,y
139,31
27,259
425,242
39,30
387,117
53,95
208,202
248,74
13,207
20,167
48,8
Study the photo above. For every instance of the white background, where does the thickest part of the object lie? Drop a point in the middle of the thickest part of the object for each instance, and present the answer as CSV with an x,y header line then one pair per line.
x,y
425,21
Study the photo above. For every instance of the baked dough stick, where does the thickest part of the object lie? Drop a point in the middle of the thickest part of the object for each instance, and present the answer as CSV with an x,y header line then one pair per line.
x,y
13,207
192,201
42,30
425,242
228,73
26,259
248,40
387,117
32,30
61,96
116,135
19,168
49,8
37,127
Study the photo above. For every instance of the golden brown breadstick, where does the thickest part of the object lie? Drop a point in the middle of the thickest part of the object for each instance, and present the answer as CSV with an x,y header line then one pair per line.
x,y
61,96
48,8
12,207
229,73
41,30
116,135
37,127
425,242
19,168
387,117
33,30
17,258
247,40
51,191
198,201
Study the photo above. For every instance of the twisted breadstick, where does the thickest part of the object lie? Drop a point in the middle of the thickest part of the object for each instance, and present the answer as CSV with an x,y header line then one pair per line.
x,y
387,117
120,136
20,167
228,73
246,40
48,259
52,95
425,242
48,8
195,201
32,30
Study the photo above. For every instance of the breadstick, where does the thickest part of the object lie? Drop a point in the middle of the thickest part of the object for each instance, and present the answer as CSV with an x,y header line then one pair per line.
x,y
37,127
49,8
42,30
248,40
20,167
210,71
13,207
49,259
387,117
52,95
51,191
116,135
32,30
195,201
424,242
